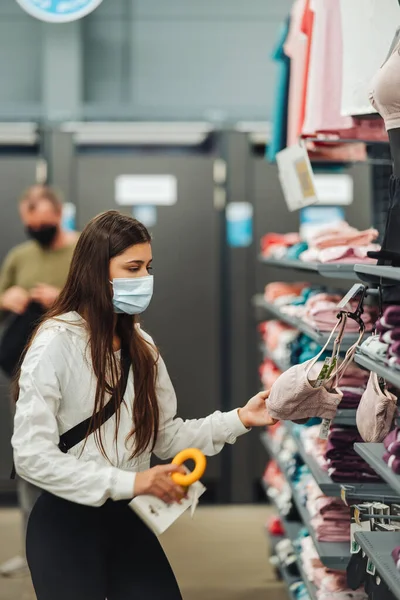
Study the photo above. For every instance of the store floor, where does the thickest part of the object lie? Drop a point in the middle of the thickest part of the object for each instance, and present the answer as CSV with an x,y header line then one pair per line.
x,y
219,555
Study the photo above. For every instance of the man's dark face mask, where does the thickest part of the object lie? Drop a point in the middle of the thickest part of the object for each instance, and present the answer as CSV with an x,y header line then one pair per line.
x,y
44,235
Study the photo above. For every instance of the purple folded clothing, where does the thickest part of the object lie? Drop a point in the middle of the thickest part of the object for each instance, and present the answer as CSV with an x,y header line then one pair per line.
x,y
382,328
394,349
396,554
349,404
393,462
392,442
349,399
391,317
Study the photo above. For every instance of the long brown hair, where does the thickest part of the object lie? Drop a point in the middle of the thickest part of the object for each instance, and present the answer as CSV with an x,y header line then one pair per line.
x,y
89,293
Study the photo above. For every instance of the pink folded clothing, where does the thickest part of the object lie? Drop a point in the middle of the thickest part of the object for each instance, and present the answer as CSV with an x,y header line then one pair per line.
x,y
354,377
333,531
345,236
390,319
323,316
340,254
273,291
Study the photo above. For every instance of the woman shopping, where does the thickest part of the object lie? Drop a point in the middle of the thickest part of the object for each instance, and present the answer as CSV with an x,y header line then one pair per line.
x,y
89,356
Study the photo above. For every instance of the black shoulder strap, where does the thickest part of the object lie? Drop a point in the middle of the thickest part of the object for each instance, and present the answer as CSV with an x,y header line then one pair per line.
x,y
74,436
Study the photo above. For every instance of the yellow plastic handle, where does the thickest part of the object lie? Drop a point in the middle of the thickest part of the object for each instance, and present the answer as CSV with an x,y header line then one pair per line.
x,y
200,463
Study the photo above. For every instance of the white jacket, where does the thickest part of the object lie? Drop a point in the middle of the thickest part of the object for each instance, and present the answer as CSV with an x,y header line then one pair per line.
x,y
57,389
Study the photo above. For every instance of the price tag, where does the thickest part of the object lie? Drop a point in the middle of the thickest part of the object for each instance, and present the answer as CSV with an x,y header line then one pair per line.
x,y
370,567
296,177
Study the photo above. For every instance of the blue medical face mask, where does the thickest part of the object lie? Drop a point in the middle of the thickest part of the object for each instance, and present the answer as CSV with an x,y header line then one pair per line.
x,y
132,295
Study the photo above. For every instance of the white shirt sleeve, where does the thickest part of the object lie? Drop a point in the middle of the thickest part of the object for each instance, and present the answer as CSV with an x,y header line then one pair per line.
x,y
37,457
209,434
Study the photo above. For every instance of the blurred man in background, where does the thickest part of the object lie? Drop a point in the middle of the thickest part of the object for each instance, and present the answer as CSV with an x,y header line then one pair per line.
x,y
31,277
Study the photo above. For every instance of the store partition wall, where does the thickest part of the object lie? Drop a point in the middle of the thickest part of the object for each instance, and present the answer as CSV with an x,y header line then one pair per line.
x,y
184,316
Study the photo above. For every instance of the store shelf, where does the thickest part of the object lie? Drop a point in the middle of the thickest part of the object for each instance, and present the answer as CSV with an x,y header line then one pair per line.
x,y
378,546
312,589
288,579
377,274
333,555
337,271
373,364
319,337
292,528
373,454
289,263
331,271
366,491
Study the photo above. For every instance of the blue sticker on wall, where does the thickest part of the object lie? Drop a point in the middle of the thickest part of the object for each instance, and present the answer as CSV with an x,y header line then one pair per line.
x,y
239,224
146,214
59,11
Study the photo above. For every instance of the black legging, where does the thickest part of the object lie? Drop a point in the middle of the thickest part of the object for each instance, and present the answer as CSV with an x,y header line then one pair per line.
x,y
87,553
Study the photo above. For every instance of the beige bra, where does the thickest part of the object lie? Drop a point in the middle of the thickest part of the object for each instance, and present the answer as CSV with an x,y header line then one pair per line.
x,y
385,93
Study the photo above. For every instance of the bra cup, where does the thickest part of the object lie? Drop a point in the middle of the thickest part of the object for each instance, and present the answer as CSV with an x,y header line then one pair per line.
x,y
375,412
292,397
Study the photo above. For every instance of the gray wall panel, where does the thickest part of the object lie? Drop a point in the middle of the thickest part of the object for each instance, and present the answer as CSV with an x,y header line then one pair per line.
x,y
148,59
20,60
203,66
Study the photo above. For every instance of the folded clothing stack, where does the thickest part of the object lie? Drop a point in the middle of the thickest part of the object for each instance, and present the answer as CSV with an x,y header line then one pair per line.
x,y
277,338
303,349
352,386
269,373
281,293
351,396
276,244
330,517
392,454
333,243
344,464
319,309
388,327
331,585
396,556
340,243
339,458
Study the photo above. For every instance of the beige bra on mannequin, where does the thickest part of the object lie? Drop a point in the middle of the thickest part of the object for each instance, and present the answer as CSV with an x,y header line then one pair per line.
x,y
385,93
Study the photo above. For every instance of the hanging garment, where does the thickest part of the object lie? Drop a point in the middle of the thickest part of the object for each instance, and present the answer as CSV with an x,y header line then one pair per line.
x,y
368,28
307,26
324,89
280,113
385,91
295,48
376,411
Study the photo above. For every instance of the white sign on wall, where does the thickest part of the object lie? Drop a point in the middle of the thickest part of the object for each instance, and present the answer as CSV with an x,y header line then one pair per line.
x,y
59,11
157,190
335,189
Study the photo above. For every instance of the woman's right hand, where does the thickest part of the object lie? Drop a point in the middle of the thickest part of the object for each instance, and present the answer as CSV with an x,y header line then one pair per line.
x,y
158,482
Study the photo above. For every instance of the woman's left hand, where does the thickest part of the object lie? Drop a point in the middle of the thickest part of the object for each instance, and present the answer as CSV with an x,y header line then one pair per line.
x,y
255,413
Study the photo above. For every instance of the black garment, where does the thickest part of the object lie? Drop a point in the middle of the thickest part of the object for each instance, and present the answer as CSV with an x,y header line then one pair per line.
x,y
80,552
391,238
16,335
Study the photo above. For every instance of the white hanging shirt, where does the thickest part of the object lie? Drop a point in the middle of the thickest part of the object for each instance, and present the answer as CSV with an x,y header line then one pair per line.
x,y
368,29
57,390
